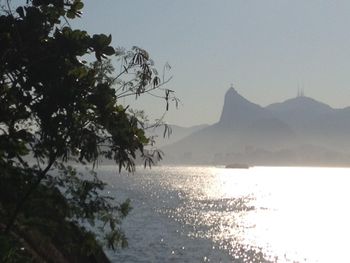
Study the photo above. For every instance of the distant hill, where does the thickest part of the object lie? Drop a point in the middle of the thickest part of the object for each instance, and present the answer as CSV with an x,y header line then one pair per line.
x,y
251,122
298,131
300,104
315,122
176,133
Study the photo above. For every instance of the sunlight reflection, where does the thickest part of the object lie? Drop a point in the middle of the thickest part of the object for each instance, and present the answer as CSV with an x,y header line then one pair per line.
x,y
297,211
261,214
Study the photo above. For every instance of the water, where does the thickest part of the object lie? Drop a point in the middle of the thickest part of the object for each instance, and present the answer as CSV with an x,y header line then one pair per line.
x,y
209,214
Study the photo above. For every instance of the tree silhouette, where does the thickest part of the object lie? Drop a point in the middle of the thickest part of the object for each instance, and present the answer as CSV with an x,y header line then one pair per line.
x,y
60,104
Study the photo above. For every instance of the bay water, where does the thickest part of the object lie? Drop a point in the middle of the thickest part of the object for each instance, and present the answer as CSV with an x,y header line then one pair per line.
x,y
213,214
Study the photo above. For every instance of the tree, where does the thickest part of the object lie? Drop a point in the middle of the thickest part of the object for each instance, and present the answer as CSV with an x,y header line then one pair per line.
x,y
56,108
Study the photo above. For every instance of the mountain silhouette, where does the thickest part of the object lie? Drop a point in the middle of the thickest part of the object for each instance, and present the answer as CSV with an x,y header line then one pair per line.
x,y
242,124
300,104
251,120
315,122
174,134
300,130
238,112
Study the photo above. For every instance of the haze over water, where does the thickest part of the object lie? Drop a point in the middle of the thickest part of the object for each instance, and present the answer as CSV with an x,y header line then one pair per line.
x,y
262,214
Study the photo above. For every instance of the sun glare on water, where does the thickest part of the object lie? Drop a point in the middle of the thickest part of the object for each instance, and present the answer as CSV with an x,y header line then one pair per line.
x,y
291,213
261,214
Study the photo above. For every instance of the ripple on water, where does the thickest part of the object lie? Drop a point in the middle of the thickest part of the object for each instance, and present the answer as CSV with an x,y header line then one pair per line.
x,y
207,214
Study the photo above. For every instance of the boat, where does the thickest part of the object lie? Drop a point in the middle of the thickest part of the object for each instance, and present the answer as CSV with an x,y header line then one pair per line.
x,y
237,166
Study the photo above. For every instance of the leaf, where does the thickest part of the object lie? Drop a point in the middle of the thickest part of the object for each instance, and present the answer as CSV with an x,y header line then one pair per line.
x,y
79,5
20,11
109,39
70,14
156,82
109,51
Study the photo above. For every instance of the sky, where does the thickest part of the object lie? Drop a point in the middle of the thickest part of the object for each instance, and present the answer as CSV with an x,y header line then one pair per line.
x,y
266,48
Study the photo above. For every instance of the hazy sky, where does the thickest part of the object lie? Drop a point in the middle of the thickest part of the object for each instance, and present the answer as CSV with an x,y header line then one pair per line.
x,y
265,47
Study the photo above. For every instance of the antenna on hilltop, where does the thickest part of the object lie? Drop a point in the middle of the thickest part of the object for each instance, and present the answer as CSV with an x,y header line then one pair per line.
x,y
300,92
231,85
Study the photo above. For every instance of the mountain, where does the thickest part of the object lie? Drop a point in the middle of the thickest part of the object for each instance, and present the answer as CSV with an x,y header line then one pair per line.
x,y
238,112
242,125
300,104
176,133
298,131
251,121
315,122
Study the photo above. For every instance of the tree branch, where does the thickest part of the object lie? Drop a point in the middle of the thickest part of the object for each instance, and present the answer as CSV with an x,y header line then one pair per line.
x,y
20,204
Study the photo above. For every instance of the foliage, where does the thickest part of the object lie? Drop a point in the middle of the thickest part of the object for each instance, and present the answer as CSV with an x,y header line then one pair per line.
x,y
56,108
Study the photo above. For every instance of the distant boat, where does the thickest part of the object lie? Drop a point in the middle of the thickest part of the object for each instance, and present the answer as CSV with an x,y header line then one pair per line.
x,y
237,166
